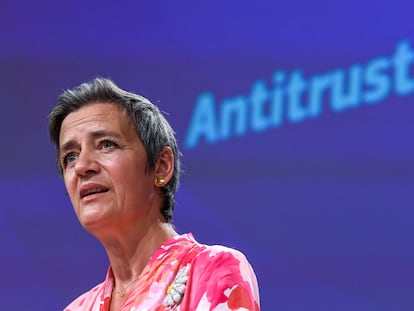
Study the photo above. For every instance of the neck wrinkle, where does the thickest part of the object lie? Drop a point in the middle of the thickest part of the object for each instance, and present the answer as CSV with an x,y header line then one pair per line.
x,y
128,260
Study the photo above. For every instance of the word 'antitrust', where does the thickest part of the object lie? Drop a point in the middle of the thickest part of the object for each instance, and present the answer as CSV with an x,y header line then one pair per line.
x,y
295,98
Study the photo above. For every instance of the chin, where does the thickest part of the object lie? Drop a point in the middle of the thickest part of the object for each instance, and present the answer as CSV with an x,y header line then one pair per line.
x,y
91,220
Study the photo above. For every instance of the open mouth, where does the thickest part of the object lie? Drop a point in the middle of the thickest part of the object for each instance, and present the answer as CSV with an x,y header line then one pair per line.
x,y
92,189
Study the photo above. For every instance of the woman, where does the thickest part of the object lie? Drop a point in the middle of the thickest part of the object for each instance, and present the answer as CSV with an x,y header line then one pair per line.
x,y
120,164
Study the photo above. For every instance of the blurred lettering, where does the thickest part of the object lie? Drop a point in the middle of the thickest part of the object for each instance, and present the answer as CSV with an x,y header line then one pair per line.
x,y
295,98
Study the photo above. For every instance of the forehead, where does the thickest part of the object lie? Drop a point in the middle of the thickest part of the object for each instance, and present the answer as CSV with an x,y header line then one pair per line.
x,y
95,116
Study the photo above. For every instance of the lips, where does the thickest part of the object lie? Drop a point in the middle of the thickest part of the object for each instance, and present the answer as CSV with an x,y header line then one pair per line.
x,y
90,189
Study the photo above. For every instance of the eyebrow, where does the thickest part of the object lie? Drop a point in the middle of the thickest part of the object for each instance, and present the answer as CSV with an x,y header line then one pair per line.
x,y
71,144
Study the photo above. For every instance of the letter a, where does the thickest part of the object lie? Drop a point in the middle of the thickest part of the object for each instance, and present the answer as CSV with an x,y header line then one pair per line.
x,y
203,122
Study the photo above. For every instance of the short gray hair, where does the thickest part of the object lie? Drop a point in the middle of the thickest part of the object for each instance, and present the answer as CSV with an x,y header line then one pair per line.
x,y
151,126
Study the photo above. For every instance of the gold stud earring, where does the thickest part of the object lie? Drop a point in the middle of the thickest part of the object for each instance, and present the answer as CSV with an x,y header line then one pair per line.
x,y
159,180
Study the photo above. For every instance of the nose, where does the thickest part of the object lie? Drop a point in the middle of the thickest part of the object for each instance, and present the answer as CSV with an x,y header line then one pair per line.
x,y
86,164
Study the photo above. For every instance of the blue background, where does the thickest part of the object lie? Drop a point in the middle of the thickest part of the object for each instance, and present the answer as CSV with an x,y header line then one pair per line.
x,y
322,208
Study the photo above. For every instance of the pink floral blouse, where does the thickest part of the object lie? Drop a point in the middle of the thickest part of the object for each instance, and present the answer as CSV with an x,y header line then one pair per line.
x,y
183,275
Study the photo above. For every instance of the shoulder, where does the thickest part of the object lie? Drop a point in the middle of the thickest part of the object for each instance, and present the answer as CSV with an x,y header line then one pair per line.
x,y
87,300
222,257
223,275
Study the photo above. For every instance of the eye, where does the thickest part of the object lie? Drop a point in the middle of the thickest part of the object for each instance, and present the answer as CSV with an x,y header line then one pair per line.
x,y
69,158
107,144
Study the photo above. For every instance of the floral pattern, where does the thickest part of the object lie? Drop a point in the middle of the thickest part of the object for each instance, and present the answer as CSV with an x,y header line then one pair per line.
x,y
183,275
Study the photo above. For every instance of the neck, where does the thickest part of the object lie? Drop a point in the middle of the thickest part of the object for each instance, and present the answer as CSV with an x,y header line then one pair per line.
x,y
129,253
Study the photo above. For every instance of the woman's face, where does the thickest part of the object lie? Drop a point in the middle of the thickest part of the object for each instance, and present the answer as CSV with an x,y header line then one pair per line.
x,y
104,168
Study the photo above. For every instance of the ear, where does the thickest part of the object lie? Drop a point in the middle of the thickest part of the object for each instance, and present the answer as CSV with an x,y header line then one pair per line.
x,y
164,167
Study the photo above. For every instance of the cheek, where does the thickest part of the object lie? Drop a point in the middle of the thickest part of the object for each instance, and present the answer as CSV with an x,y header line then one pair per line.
x,y
70,186
127,169
133,182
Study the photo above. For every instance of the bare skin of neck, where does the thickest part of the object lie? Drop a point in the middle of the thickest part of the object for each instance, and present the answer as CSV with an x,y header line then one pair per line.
x,y
130,249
